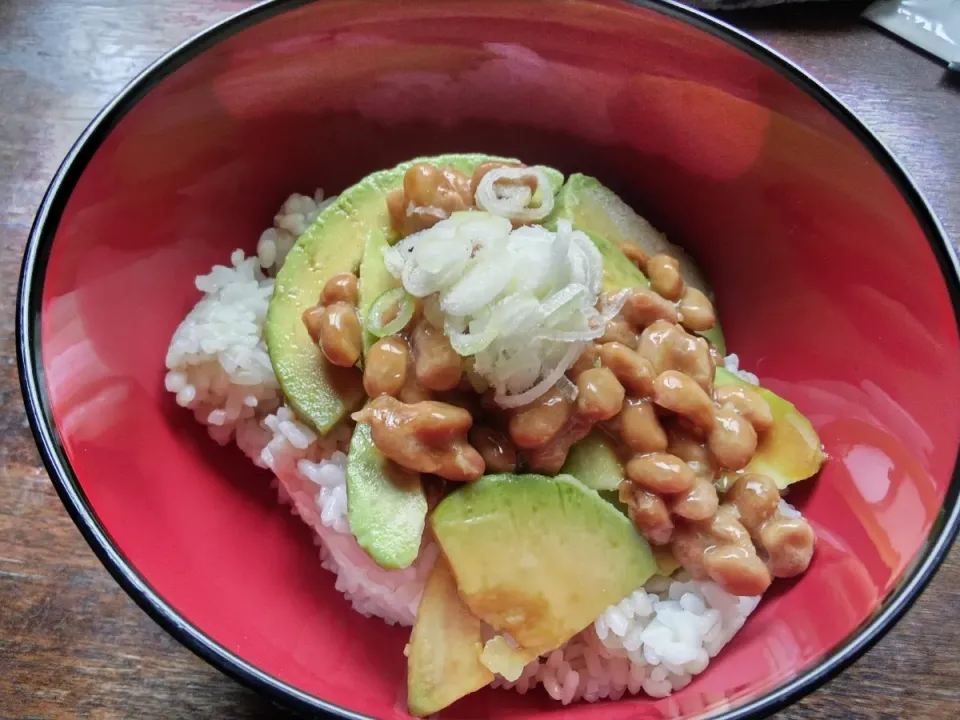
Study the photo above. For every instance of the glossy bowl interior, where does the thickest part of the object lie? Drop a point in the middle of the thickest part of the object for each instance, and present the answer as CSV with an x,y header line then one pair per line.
x,y
833,283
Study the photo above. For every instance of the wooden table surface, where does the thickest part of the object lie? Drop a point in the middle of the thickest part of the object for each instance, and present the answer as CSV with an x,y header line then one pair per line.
x,y
72,644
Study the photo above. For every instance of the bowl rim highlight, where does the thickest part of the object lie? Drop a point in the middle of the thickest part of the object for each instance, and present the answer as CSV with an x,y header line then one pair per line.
x,y
32,383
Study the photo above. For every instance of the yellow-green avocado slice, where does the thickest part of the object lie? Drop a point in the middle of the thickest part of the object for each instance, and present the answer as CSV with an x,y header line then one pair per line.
x,y
375,280
443,657
320,393
596,210
788,452
539,557
386,504
594,462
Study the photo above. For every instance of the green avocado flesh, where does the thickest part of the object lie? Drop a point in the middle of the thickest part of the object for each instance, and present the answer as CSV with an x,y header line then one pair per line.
x,y
609,221
539,557
594,462
502,658
375,280
788,452
443,657
386,504
335,243
619,272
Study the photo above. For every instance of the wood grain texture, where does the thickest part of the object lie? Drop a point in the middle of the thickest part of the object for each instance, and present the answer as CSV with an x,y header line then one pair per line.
x,y
72,644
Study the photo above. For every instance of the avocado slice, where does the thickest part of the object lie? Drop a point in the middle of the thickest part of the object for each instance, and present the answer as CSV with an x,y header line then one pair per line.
x,y
619,272
375,280
788,452
609,221
443,657
386,504
320,393
539,557
501,657
594,462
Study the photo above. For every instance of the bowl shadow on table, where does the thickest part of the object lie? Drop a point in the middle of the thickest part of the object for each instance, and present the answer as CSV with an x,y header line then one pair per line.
x,y
821,16
951,81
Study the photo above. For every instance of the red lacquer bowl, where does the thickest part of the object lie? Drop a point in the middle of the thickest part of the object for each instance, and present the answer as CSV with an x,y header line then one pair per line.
x,y
834,283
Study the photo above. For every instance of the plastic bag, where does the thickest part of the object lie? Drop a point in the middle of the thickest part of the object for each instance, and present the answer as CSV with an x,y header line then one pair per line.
x,y
931,25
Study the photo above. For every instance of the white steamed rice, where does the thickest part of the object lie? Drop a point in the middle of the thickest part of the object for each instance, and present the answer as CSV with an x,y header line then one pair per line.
x,y
654,641
732,363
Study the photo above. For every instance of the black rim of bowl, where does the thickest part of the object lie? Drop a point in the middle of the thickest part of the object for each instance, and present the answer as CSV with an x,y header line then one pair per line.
x,y
29,298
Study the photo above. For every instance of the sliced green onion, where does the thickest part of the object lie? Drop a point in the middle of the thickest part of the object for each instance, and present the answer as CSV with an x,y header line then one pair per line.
x,y
466,344
383,303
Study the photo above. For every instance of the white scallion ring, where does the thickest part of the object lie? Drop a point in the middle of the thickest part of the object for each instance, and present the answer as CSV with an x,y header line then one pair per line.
x,y
514,204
